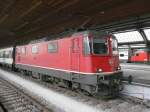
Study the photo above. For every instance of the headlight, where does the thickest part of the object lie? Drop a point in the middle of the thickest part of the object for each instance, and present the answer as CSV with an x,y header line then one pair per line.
x,y
99,70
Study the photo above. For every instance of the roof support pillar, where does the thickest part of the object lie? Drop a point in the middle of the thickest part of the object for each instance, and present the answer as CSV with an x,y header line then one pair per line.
x,y
144,36
129,53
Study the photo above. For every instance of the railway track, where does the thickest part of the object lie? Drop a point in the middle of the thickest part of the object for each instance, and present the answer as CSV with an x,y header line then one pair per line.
x,y
13,99
138,91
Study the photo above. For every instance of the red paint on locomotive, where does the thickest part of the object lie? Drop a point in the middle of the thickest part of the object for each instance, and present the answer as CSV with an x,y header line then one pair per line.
x,y
84,53
140,56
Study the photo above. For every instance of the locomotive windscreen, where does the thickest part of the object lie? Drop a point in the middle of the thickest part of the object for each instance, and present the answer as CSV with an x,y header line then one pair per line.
x,y
100,46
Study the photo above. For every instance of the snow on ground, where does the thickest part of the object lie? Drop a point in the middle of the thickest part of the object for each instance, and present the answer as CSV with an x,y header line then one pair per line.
x,y
60,101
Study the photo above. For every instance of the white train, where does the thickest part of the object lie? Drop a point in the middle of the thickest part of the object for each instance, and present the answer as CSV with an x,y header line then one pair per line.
x,y
6,57
123,55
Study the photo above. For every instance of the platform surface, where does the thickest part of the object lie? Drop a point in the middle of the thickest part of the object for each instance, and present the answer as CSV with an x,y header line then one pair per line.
x,y
140,72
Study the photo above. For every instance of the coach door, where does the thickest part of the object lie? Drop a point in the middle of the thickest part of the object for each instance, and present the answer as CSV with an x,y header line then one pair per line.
x,y
75,54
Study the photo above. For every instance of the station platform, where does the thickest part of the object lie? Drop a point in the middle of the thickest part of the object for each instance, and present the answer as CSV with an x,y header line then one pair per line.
x,y
139,72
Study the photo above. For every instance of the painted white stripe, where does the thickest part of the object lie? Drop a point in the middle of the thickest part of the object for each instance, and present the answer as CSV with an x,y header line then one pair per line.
x,y
86,73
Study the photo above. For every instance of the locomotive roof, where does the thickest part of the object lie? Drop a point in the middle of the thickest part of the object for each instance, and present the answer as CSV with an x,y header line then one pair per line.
x,y
94,32
67,34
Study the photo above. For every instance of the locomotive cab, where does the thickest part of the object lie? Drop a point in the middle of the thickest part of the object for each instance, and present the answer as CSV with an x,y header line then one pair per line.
x,y
102,50
105,51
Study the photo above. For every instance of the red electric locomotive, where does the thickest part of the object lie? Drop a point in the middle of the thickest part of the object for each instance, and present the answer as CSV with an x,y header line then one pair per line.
x,y
140,55
85,60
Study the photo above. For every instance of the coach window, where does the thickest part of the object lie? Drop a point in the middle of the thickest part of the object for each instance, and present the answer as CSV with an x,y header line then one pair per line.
x,y
7,54
34,49
10,54
23,50
52,47
121,55
0,55
3,54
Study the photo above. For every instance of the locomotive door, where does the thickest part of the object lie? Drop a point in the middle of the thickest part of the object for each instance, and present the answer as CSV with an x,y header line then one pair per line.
x,y
75,54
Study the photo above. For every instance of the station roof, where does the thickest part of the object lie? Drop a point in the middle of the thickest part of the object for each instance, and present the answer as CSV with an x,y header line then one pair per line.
x,y
131,36
147,32
27,19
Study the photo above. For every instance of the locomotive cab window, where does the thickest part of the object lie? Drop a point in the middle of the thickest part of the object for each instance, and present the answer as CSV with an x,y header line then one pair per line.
x,y
100,46
34,49
97,46
52,47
